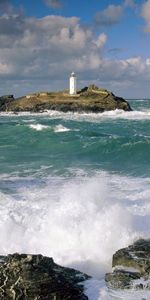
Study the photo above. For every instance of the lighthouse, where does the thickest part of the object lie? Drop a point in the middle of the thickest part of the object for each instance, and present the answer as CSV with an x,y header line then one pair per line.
x,y
73,84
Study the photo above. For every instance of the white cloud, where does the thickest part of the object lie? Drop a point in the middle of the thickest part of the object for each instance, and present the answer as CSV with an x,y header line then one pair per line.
x,y
109,16
5,69
53,3
146,14
148,61
101,40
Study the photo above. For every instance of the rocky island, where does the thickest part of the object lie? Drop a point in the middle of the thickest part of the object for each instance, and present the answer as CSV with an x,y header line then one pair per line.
x,y
88,99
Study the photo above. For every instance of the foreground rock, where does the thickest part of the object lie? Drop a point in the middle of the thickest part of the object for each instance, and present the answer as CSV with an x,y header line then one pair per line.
x,y
33,277
131,267
89,99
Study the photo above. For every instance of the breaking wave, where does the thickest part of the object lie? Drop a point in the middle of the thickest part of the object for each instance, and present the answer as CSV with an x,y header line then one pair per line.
x,y
60,128
79,221
38,127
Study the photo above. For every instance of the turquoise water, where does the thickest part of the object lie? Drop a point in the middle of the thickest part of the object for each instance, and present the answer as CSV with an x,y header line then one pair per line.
x,y
91,142
75,186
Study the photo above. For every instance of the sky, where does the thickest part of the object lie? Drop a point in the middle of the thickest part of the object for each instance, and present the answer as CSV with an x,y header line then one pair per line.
x,y
107,43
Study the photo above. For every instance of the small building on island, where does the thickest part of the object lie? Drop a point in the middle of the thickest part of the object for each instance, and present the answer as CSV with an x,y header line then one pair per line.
x,y
73,84
29,96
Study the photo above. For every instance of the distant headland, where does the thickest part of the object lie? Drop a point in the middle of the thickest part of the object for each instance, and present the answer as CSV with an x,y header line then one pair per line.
x,y
88,99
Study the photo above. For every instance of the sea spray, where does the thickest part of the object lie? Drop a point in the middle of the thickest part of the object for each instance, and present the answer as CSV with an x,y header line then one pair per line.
x,y
80,222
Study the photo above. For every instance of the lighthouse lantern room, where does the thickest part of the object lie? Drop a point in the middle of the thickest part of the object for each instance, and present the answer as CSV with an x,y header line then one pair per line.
x,y
73,84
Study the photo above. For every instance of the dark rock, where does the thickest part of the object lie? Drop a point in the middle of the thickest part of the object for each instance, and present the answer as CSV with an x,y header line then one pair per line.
x,y
131,267
5,101
32,277
6,97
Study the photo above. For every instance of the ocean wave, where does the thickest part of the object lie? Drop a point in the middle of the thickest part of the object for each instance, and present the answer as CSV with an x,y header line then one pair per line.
x,y
115,114
38,127
60,128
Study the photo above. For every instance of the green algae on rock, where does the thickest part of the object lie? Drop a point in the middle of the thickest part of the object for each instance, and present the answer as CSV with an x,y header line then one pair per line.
x,y
88,99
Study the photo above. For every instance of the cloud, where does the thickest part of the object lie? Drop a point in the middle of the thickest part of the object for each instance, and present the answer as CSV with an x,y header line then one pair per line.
x,y
39,54
5,6
109,16
130,3
146,14
10,26
112,14
101,40
47,47
4,2
54,3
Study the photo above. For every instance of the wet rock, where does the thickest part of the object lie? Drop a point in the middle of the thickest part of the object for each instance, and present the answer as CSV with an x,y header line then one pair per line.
x,y
35,277
131,267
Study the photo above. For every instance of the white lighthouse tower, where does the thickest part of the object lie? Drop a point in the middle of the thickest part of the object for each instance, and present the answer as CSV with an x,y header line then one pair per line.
x,y
73,84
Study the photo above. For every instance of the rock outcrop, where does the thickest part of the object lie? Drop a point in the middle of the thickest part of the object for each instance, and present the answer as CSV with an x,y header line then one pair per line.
x,y
88,99
131,267
5,102
35,277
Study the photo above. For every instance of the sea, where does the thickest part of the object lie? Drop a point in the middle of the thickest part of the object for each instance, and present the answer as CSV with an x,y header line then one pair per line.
x,y
76,187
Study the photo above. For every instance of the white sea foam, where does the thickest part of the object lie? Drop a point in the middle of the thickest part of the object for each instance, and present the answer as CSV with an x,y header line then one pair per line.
x,y
128,295
79,221
27,120
38,127
115,114
60,128
96,289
